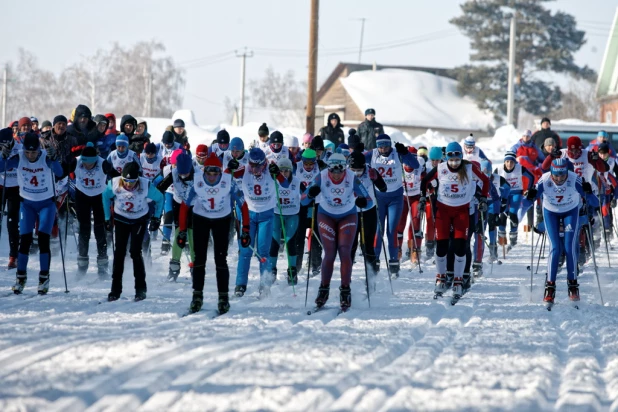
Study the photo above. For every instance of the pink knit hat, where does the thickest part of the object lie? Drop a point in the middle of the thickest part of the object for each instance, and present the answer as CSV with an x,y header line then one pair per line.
x,y
307,138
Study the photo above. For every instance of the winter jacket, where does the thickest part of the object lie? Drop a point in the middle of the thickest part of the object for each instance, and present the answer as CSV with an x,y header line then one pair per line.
x,y
83,136
530,150
112,116
334,134
182,139
127,118
368,131
539,138
67,149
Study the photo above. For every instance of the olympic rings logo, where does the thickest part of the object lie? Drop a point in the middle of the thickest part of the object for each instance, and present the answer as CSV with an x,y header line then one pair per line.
x,y
337,191
212,191
283,192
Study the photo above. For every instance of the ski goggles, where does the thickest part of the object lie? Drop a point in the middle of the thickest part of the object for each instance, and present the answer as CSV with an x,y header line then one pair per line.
x,y
336,168
129,181
453,154
212,170
308,162
383,143
345,152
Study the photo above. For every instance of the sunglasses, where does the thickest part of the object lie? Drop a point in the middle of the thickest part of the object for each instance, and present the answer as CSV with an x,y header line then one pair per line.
x,y
212,169
453,154
129,181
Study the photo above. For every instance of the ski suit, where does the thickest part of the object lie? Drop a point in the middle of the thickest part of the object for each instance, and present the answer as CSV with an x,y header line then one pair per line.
x,y
287,211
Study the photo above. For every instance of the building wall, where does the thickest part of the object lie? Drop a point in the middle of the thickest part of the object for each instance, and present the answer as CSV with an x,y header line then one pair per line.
x,y
609,111
336,95
459,134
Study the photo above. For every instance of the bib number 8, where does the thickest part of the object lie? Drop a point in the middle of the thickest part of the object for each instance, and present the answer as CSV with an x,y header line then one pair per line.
x,y
257,189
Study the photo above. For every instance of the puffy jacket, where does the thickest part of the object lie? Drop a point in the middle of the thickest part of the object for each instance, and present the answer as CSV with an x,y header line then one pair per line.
x,y
530,150
89,133
368,131
334,134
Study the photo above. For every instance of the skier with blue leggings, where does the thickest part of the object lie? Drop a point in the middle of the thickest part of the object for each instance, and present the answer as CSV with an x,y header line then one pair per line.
x,y
388,163
562,194
35,175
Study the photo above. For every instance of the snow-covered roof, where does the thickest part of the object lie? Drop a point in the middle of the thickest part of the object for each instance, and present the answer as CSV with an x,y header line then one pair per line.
x,y
415,98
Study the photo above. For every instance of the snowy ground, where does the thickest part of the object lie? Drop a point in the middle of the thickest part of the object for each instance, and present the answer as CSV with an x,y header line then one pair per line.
x,y
494,350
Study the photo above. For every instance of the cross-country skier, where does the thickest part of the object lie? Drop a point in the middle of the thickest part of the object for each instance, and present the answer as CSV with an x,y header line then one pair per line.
x,y
236,159
181,178
561,192
472,153
412,190
201,154
212,195
221,145
167,147
263,133
151,162
291,142
341,192
35,170
8,178
388,163
457,182
130,194
435,158
121,156
90,183
276,150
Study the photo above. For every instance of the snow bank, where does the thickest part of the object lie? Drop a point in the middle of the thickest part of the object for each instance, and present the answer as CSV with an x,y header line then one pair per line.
x,y
415,98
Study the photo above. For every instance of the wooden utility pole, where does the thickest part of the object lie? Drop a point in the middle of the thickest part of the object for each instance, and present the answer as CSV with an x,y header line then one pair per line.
x,y
241,104
313,66
510,106
4,97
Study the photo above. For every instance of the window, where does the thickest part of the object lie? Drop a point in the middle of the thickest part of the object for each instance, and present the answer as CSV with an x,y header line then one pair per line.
x,y
608,117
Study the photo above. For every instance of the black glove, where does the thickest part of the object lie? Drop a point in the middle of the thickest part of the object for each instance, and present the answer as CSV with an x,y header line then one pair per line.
x,y
314,191
108,225
322,164
401,149
531,194
51,153
361,202
594,156
613,203
504,203
154,224
502,219
556,154
587,187
181,238
303,186
482,204
422,202
245,239
6,151
233,164
273,169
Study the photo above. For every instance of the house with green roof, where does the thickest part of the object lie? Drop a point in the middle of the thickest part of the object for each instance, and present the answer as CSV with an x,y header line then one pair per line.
x,y
607,83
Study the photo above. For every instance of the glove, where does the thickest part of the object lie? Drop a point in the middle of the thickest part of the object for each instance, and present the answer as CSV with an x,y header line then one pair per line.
x,y
401,149
503,205
314,191
422,202
6,151
187,146
373,174
233,164
51,153
273,169
594,156
181,238
303,186
502,219
531,194
361,202
482,204
245,239
587,187
613,203
556,154
108,225
76,151
154,224
322,164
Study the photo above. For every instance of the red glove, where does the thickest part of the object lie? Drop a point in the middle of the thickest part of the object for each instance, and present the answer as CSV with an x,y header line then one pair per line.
x,y
245,238
373,174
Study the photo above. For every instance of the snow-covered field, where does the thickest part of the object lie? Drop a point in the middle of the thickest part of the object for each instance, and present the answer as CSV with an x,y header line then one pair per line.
x,y
494,350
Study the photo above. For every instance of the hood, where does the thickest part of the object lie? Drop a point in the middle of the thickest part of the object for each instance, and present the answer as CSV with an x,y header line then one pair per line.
x,y
176,135
334,116
82,110
127,118
142,121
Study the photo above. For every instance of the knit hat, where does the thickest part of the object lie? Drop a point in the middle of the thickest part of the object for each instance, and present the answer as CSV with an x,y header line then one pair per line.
x,y
201,150
435,153
45,123
130,171
150,148
24,121
559,167
31,141
370,111
122,140
6,135
549,142
59,118
175,155
309,154
383,139
317,143
237,144
604,147
34,119
223,137
329,145
353,138
603,134
184,163
337,161
284,163
291,141
545,119
574,142
276,137
307,138
263,130
422,151
527,133
89,154
357,160
470,142
453,147
510,156
179,123
168,137
213,160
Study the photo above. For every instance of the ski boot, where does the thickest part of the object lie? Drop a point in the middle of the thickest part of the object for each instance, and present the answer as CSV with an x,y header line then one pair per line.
x,y
315,271
292,276
345,297
449,279
20,282
197,301
323,293
477,269
140,295
466,283
223,305
550,294
502,237
240,290
493,252
43,282
12,263
457,290
440,287
166,246
375,266
393,266
102,265
573,290
113,296
82,265
512,239
274,272
174,270
430,248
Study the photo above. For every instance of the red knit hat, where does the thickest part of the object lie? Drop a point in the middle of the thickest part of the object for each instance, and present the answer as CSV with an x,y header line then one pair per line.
x,y
201,150
574,142
24,121
213,160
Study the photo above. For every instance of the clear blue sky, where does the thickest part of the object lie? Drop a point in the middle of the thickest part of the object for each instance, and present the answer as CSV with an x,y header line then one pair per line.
x,y
59,31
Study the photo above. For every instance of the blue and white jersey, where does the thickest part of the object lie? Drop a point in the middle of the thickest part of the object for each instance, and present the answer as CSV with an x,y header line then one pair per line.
x,y
35,178
11,174
305,176
389,168
181,188
242,164
217,150
273,157
165,153
259,192
289,198
150,170
118,163
560,198
514,177
90,182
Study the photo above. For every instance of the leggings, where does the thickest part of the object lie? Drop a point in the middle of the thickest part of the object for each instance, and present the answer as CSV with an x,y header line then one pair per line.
x,y
261,232
391,206
86,206
122,230
304,223
13,201
45,211
290,224
168,216
415,225
337,235
571,231
202,229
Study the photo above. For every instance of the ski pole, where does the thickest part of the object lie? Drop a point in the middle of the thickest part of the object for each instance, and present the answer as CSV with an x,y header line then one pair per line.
x,y
3,196
53,181
388,269
309,249
594,261
365,254
285,238
542,238
604,236
531,253
405,185
482,234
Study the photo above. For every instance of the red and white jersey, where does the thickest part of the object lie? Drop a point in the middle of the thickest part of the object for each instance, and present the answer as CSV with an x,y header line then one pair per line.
x,y
412,180
242,164
259,192
212,201
132,204
289,198
561,198
581,166
150,170
90,182
451,191
514,177
337,198
389,168
35,178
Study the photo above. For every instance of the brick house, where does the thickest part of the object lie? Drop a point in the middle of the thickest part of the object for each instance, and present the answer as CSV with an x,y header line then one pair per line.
x,y
607,82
